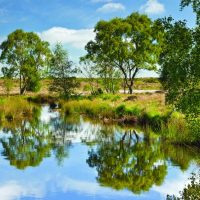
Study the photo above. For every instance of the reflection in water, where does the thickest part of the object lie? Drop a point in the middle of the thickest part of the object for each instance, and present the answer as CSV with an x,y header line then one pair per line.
x,y
122,157
26,145
128,162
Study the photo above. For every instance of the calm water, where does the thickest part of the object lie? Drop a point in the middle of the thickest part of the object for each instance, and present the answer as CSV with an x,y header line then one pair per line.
x,y
52,157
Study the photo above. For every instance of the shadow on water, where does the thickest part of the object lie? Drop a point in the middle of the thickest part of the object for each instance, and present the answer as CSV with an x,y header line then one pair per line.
x,y
123,157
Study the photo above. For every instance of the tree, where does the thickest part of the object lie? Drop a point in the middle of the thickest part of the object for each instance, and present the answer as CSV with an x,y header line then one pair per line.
x,y
127,45
30,140
25,54
108,75
62,72
180,64
195,5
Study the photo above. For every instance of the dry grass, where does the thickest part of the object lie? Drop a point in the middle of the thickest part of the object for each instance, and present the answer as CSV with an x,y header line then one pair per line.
x,y
140,84
14,108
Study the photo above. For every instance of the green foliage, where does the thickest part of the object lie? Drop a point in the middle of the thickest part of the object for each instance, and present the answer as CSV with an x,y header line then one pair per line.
x,y
121,110
62,72
126,45
110,97
34,84
25,54
180,63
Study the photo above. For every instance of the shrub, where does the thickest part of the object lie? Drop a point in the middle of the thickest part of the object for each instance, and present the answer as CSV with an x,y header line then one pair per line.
x,y
120,110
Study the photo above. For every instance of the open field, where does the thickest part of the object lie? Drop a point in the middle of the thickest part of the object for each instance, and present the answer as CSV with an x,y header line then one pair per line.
x,y
140,84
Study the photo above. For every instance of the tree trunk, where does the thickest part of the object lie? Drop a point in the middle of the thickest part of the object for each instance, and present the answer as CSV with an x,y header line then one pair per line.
x,y
130,87
23,89
130,90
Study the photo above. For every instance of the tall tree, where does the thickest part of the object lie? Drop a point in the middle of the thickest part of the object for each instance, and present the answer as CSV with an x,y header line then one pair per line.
x,y
62,72
180,67
128,45
25,54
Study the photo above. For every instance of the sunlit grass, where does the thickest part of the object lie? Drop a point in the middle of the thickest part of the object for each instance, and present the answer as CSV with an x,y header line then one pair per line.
x,y
14,108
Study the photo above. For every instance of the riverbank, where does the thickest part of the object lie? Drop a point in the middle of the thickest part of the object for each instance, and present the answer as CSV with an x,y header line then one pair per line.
x,y
147,110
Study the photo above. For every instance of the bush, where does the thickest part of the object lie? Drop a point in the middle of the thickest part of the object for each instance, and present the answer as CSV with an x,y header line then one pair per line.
x,y
120,110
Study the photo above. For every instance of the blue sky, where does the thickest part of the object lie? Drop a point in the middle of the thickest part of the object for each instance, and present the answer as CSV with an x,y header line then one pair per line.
x,y
72,22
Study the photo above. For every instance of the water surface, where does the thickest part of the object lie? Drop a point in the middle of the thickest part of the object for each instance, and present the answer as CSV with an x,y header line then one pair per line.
x,y
55,157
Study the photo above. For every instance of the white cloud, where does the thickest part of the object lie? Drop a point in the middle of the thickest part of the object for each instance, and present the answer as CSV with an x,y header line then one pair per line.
x,y
153,7
111,7
89,188
76,38
14,190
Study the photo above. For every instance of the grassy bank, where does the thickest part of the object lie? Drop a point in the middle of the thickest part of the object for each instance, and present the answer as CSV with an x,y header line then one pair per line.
x,y
146,110
15,109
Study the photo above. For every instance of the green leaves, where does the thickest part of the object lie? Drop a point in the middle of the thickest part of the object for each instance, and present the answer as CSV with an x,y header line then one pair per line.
x,y
180,67
62,72
25,54
127,44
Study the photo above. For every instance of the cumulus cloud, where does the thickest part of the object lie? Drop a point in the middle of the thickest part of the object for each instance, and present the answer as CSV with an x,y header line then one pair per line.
x,y
76,38
111,7
153,7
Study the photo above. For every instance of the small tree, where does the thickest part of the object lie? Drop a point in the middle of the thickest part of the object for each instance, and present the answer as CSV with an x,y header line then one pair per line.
x,y
108,75
62,72
89,72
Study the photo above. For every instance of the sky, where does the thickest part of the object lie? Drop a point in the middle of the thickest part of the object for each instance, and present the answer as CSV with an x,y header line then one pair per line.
x,y
71,22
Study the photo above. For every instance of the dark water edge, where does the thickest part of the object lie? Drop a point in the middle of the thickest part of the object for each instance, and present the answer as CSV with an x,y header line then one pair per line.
x,y
54,157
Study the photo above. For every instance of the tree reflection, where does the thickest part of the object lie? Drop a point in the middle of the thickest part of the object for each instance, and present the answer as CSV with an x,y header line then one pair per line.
x,y
30,142
25,149
127,161
181,155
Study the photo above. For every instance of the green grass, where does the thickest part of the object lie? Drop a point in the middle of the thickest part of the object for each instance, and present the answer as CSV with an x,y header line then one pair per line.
x,y
14,109
146,110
